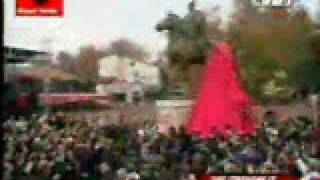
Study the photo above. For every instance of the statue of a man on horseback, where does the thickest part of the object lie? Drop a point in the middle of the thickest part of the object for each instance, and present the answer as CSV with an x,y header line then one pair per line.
x,y
188,44
197,19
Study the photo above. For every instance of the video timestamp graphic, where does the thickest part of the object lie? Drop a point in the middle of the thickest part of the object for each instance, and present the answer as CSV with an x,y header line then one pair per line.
x,y
40,8
272,3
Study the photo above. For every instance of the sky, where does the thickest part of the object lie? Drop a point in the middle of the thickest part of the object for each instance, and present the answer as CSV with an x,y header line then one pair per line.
x,y
99,22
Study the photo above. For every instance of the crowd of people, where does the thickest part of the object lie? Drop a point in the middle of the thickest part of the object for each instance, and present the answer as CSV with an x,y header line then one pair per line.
x,y
61,146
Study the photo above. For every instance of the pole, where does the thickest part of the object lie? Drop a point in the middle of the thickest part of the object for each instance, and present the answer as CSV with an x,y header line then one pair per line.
x,y
318,12
314,103
46,45
316,112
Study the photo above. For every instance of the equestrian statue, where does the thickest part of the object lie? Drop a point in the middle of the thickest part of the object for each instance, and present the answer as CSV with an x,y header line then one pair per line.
x,y
189,43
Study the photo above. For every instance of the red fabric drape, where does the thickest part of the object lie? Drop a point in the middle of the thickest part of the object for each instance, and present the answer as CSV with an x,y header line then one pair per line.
x,y
222,103
283,177
287,178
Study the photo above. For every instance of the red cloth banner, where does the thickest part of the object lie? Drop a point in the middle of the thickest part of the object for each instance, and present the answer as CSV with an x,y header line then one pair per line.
x,y
75,98
271,177
40,8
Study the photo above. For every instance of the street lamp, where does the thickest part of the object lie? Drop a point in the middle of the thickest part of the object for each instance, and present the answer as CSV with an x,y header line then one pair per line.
x,y
47,47
314,100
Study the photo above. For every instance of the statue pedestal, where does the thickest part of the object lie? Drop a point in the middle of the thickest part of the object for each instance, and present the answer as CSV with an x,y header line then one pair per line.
x,y
172,113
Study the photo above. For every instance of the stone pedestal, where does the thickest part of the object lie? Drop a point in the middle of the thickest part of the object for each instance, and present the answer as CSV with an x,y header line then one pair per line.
x,y
172,113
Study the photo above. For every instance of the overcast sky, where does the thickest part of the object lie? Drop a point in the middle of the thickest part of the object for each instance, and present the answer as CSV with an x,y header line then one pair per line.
x,y
98,22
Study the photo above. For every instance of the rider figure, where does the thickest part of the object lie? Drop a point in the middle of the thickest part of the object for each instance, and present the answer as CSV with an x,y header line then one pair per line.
x,y
192,12
197,19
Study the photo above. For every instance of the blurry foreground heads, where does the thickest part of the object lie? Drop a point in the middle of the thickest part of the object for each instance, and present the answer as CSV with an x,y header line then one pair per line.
x,y
133,176
122,174
163,158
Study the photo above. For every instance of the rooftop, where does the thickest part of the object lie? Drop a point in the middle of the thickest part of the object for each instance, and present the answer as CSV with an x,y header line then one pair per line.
x,y
17,54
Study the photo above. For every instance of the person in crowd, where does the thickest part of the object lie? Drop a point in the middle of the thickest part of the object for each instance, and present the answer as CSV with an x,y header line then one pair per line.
x,y
24,106
9,101
67,147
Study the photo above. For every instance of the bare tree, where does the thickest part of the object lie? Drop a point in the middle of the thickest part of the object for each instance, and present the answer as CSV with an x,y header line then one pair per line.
x,y
87,66
85,63
125,48
67,62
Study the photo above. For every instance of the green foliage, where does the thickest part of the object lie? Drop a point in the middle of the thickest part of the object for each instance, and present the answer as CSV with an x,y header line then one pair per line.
x,y
272,41
88,86
309,75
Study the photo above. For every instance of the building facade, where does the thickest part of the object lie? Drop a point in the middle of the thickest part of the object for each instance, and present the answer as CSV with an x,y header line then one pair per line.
x,y
129,77
19,59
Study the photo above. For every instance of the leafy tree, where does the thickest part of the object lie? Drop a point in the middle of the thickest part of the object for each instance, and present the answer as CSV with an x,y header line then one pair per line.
x,y
309,73
268,42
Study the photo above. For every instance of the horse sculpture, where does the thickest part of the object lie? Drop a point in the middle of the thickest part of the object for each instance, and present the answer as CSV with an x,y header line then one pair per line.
x,y
188,41
188,45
